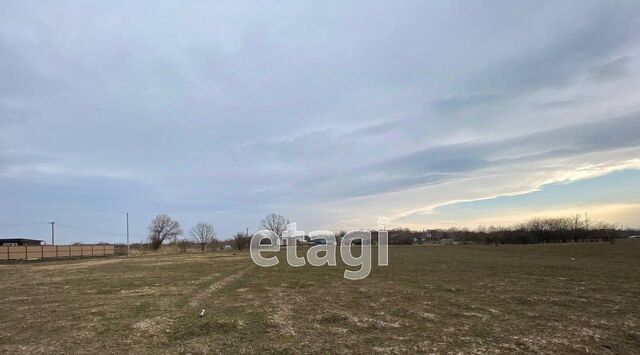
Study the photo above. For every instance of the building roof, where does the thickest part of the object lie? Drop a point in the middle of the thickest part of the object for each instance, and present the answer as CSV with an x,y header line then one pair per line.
x,y
19,240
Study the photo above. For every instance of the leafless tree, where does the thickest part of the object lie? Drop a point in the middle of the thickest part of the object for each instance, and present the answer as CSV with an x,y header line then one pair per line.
x,y
163,228
587,222
241,240
203,233
275,223
183,245
576,222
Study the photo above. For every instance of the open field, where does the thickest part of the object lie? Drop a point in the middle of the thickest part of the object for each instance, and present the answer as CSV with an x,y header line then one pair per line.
x,y
439,299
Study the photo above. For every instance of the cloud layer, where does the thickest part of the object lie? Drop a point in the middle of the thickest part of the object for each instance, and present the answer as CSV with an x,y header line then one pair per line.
x,y
330,113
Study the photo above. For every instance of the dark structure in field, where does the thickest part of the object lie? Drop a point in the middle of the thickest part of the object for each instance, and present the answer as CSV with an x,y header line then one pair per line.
x,y
19,241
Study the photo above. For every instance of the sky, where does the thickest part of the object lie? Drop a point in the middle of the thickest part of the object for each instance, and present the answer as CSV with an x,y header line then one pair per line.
x,y
333,113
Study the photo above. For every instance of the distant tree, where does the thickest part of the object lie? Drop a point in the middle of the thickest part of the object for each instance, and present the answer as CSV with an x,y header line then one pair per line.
x,y
203,233
163,228
587,221
182,245
403,236
576,222
241,241
275,223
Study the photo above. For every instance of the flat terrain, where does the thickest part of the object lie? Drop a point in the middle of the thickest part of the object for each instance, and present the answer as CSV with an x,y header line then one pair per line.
x,y
430,299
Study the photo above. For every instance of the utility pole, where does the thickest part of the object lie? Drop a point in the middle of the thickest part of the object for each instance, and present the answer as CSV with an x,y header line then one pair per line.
x,y
127,233
247,232
53,240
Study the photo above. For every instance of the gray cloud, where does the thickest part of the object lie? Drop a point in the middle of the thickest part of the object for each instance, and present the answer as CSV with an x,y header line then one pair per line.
x,y
467,101
616,133
564,57
231,111
442,163
613,69
11,159
554,104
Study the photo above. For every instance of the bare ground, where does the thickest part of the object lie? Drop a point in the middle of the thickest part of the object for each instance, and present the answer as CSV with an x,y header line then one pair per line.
x,y
573,298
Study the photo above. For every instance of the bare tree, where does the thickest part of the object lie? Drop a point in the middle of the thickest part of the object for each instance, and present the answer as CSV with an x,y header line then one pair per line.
x,y
183,245
587,222
203,233
163,228
275,223
241,240
576,222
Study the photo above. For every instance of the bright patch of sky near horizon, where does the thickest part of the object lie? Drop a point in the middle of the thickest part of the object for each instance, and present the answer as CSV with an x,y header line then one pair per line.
x,y
331,113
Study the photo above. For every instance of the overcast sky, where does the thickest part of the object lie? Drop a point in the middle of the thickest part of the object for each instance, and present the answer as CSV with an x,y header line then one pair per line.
x,y
332,113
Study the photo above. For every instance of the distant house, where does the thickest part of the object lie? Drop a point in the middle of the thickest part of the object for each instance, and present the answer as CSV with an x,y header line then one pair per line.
x,y
19,241
319,241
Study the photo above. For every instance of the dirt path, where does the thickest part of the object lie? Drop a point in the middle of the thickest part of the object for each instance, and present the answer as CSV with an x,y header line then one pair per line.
x,y
217,285
80,264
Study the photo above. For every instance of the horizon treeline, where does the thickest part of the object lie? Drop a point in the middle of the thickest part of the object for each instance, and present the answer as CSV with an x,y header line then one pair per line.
x,y
574,228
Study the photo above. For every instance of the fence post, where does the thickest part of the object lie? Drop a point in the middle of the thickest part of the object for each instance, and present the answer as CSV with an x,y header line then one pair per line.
x,y
81,250
91,249
41,251
56,252
7,253
26,255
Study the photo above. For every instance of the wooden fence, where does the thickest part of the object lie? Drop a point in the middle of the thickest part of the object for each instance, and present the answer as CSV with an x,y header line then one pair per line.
x,y
35,252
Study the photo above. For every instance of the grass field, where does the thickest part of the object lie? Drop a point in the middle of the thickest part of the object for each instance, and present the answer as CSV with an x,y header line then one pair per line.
x,y
434,299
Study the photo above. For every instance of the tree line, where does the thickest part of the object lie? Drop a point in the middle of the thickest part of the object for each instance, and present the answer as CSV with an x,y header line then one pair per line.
x,y
574,228
164,229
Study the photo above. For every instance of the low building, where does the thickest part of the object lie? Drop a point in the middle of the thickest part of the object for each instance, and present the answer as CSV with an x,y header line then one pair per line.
x,y
319,241
19,241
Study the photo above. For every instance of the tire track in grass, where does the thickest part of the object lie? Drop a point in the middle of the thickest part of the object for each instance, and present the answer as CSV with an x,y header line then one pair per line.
x,y
197,299
162,327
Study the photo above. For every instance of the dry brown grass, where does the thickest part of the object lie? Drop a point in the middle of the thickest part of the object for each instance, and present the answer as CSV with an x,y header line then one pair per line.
x,y
449,299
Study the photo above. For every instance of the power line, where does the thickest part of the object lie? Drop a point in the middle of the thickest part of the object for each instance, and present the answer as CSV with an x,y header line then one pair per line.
x,y
23,224
82,229
67,226
71,227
